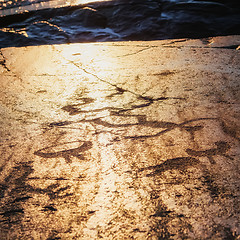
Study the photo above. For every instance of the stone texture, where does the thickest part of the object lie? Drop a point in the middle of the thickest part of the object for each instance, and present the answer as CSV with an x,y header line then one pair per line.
x,y
124,140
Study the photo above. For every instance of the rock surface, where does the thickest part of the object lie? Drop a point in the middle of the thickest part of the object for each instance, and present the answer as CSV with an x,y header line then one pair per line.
x,y
124,140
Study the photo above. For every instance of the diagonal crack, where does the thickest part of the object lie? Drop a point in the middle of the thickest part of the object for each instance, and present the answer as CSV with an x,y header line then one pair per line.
x,y
175,41
134,53
231,47
147,100
4,64
118,89
3,61
228,47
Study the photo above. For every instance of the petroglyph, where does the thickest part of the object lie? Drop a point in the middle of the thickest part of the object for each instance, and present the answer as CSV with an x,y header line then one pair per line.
x,y
50,152
180,164
117,120
119,147
221,149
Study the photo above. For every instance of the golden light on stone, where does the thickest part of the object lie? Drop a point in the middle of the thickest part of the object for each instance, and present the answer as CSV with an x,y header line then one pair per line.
x,y
46,5
93,64
77,2
73,167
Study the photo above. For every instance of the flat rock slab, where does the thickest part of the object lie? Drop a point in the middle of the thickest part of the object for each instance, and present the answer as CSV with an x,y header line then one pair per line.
x,y
123,140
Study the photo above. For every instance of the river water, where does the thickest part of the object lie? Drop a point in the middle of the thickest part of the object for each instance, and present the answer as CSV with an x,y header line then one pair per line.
x,y
36,22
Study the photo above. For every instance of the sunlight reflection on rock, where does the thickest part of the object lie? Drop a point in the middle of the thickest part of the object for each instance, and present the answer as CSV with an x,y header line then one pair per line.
x,y
45,5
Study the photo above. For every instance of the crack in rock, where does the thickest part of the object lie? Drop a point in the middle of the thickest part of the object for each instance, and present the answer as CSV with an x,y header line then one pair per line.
x,y
3,61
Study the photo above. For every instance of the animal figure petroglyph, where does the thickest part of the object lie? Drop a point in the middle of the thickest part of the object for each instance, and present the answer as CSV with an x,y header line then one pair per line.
x,y
221,149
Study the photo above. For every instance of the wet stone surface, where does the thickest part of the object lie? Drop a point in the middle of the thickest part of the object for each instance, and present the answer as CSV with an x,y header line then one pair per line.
x,y
75,21
127,140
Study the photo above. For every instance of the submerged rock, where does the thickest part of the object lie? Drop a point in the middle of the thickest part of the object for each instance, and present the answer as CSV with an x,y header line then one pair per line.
x,y
90,17
123,20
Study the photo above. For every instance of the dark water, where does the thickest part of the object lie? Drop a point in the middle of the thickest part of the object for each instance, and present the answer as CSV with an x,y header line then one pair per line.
x,y
35,22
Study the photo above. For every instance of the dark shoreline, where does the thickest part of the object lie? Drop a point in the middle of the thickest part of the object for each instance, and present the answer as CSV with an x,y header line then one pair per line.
x,y
121,21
